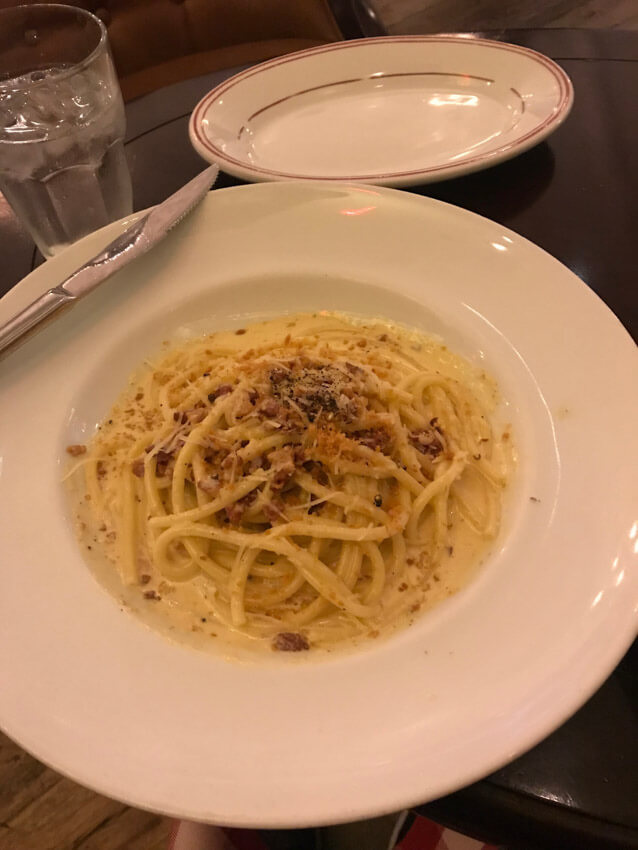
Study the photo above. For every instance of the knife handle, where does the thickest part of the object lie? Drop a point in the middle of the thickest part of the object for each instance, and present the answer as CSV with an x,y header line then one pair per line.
x,y
24,324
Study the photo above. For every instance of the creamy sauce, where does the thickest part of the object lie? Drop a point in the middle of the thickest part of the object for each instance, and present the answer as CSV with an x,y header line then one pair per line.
x,y
183,611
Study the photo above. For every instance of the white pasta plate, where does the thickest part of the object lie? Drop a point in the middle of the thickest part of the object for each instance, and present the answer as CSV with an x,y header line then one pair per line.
x,y
285,741
392,111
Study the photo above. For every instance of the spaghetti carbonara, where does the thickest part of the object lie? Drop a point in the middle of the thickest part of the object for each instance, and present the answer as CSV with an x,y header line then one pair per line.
x,y
296,482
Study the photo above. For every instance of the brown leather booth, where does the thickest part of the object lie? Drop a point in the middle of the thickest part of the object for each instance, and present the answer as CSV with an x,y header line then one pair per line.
x,y
158,42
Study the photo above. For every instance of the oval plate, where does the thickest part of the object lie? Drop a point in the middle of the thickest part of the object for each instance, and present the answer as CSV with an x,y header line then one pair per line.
x,y
93,692
390,111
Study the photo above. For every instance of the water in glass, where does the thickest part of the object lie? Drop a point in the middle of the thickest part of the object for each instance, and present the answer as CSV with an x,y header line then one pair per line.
x,y
62,163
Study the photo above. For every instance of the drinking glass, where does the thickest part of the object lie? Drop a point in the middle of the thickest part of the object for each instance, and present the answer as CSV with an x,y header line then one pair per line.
x,y
62,162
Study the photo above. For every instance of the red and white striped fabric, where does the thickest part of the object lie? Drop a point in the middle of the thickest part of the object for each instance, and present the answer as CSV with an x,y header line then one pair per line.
x,y
423,834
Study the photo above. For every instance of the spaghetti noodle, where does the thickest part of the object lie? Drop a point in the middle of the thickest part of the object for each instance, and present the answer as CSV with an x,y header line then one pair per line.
x,y
306,478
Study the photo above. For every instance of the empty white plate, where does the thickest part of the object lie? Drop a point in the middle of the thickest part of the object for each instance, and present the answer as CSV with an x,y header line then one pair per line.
x,y
391,111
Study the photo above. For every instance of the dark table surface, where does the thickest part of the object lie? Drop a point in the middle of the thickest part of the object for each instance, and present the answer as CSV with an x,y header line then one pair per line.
x,y
575,195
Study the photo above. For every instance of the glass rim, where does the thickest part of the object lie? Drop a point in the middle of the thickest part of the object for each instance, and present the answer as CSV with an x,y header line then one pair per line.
x,y
64,73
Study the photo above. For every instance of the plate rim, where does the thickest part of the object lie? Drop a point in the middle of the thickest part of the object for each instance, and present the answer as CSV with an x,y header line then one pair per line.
x,y
239,167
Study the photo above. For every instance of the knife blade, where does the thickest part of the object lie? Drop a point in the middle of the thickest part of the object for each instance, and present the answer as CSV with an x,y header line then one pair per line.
x,y
136,240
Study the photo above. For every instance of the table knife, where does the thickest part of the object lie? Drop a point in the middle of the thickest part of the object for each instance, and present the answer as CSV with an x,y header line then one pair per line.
x,y
136,240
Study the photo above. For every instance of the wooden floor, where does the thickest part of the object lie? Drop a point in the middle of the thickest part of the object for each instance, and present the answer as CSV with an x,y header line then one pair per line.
x,y
40,810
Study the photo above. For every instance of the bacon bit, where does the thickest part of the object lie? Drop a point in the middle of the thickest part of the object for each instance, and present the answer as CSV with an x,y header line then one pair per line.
x,y
211,485
349,408
244,405
256,463
235,512
402,587
240,331
222,389
137,468
277,374
139,396
230,461
180,417
273,511
269,407
374,438
290,642
76,450
427,441
289,420
162,461
231,457
145,578
315,468
152,594
283,463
